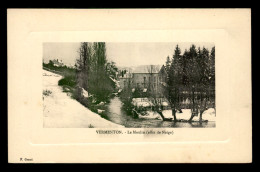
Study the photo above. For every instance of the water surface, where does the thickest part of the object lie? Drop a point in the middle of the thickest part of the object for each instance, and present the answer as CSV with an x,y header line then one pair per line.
x,y
116,113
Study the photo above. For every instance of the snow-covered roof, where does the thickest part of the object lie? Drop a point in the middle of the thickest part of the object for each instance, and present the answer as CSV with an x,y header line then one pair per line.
x,y
141,102
57,62
147,69
164,103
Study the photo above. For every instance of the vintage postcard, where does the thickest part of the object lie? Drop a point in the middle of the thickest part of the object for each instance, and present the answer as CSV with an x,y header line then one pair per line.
x,y
92,86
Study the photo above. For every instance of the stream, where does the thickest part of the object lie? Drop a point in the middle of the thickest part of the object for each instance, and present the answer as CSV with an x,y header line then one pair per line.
x,y
115,112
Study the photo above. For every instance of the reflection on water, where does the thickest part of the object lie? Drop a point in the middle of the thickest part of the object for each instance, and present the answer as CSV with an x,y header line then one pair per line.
x,y
116,114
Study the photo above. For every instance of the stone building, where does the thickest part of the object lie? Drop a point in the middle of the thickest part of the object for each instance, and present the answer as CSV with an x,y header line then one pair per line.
x,y
125,81
144,77
153,79
57,63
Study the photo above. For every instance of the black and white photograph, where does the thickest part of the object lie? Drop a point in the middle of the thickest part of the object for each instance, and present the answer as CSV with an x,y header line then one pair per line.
x,y
132,85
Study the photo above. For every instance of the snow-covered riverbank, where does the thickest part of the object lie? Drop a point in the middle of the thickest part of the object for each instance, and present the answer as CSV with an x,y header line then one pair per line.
x,y
61,111
209,115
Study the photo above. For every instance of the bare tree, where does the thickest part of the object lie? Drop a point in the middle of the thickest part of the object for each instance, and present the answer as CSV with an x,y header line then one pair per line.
x,y
153,90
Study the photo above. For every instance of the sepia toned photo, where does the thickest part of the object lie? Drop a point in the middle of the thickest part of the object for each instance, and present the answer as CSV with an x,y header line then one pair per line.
x,y
101,84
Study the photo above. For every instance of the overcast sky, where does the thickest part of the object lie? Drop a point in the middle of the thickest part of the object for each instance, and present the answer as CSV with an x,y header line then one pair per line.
x,y
124,54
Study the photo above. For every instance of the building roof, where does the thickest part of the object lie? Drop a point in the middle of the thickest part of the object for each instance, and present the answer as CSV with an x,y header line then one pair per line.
x,y
57,62
147,69
126,76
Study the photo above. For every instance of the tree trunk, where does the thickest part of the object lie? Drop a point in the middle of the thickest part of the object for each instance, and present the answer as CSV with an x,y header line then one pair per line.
x,y
174,114
193,106
193,102
135,114
161,114
201,104
192,116
201,116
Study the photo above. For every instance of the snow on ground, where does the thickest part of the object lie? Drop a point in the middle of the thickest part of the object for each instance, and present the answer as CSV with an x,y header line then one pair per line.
x,y
84,93
150,115
116,82
186,114
61,111
141,102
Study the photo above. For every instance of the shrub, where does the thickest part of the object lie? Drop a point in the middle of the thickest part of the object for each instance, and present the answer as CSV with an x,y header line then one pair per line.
x,y
67,80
